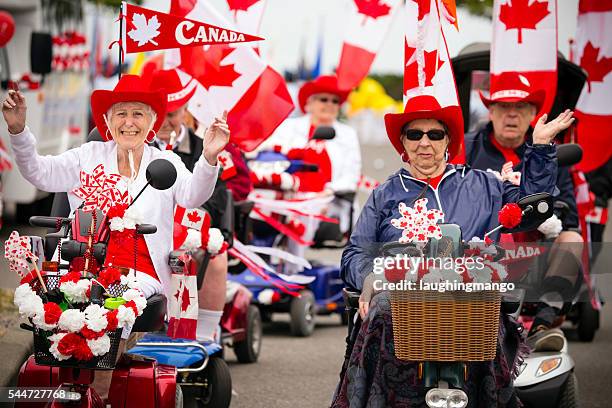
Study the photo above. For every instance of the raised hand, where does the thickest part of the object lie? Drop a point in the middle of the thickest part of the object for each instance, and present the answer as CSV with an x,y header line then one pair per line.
x,y
14,110
216,137
544,133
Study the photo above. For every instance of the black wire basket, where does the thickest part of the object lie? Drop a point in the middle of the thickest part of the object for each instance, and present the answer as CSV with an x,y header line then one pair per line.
x,y
43,356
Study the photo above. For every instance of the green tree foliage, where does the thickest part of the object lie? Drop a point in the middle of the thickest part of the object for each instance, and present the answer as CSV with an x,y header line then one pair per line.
x,y
477,7
60,13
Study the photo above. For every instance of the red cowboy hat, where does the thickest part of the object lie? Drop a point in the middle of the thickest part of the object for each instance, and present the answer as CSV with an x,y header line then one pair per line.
x,y
179,86
323,84
130,88
513,87
427,107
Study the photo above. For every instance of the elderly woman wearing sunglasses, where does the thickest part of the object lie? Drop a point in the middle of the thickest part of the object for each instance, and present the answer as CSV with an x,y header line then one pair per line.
x,y
428,137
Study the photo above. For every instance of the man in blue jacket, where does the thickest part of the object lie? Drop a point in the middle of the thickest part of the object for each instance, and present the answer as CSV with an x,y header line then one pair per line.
x,y
499,147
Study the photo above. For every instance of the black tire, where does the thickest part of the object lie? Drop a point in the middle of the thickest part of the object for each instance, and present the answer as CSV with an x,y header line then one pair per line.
x,y
569,393
178,399
219,389
303,314
588,322
247,351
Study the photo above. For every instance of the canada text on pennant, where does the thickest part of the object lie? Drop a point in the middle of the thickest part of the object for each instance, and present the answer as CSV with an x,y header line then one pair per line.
x,y
150,30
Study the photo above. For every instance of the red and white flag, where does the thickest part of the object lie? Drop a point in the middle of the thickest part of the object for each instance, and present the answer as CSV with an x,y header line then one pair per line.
x,y
593,52
247,14
150,30
232,78
183,304
427,68
525,41
368,25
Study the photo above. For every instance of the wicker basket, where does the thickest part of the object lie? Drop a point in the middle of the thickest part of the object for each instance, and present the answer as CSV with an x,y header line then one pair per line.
x,y
43,356
448,326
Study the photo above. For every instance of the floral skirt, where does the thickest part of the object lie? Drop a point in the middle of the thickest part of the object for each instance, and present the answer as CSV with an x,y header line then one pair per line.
x,y
375,378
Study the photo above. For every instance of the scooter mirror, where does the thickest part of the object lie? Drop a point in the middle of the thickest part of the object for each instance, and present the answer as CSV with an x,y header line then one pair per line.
x,y
568,154
324,133
537,208
161,174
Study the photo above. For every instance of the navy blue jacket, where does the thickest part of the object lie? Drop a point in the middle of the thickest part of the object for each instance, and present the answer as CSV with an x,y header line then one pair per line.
x,y
469,198
481,154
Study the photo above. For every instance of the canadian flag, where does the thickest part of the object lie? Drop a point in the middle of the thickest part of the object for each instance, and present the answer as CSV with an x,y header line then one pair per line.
x,y
525,41
183,305
593,52
247,14
427,68
232,78
368,25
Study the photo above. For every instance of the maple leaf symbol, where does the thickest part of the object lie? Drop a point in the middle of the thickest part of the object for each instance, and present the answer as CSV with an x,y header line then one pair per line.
x,y
243,5
185,300
206,66
411,75
596,68
372,8
519,15
194,217
145,31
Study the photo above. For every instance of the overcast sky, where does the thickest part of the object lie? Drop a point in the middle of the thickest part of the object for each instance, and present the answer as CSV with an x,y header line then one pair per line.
x,y
289,23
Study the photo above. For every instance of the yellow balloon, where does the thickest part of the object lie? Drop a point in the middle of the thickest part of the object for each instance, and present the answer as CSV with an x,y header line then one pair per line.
x,y
371,87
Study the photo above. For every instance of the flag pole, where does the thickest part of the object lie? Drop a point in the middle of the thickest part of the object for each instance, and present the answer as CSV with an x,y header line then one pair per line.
x,y
120,39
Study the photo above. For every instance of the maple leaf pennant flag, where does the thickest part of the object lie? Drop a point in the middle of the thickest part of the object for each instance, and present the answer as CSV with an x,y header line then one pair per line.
x,y
525,41
150,30
183,304
593,52
368,25
232,78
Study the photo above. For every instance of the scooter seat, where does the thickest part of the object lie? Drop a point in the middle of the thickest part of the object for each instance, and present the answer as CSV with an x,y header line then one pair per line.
x,y
152,318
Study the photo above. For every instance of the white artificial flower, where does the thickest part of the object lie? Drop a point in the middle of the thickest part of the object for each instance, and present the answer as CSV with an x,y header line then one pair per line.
x,y
116,224
95,317
76,292
137,297
99,346
193,240
72,320
131,218
551,228
125,316
130,281
55,339
39,321
215,241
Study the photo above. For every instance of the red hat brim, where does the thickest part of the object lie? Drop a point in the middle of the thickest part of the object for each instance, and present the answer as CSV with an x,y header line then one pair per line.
x,y
536,98
320,86
102,100
176,104
450,115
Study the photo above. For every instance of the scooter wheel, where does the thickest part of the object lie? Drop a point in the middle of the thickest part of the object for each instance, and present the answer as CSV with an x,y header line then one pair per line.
x,y
218,393
569,393
588,322
303,314
247,351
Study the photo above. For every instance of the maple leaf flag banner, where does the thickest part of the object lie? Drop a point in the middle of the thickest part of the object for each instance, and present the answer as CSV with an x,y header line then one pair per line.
x,y
149,30
368,25
593,52
247,14
232,78
525,41
427,68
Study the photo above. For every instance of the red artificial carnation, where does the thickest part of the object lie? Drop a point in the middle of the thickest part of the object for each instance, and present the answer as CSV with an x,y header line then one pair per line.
x,y
132,304
510,215
70,277
68,344
109,275
111,317
82,351
117,210
90,334
52,312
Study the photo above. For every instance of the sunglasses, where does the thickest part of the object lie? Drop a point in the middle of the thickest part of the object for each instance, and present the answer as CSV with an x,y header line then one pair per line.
x,y
416,134
325,99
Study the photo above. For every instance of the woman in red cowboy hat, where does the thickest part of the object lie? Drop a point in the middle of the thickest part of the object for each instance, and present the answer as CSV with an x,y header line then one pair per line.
x,y
126,117
427,136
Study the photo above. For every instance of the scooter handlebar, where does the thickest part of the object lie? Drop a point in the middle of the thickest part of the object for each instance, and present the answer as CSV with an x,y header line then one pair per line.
x,y
48,222
146,229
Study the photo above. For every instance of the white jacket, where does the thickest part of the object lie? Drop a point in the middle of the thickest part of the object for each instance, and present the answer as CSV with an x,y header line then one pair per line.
x,y
61,173
343,150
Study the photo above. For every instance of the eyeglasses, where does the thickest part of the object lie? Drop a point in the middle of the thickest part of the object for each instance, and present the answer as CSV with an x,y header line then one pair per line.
x,y
325,99
416,134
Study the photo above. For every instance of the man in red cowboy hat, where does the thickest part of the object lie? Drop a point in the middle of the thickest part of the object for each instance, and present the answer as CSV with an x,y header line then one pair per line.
x,y
176,135
500,147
